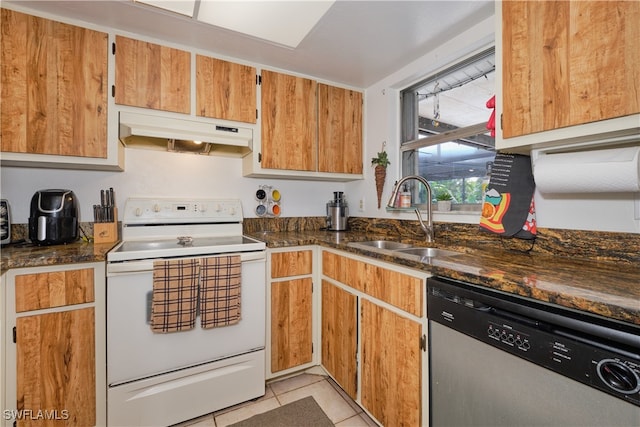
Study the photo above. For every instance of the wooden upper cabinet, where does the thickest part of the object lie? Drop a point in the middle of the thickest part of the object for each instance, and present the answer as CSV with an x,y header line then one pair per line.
x,y
339,130
225,90
567,63
152,76
54,87
289,122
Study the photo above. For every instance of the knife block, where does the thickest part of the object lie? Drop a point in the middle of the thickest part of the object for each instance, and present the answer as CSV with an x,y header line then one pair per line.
x,y
106,232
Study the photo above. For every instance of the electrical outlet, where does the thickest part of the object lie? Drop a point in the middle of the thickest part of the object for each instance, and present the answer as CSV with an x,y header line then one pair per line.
x,y
361,204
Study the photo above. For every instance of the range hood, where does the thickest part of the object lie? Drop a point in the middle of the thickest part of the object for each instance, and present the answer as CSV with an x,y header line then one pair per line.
x,y
183,135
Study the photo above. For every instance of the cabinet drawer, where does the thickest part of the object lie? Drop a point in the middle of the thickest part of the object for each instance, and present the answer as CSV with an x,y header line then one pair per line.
x,y
286,264
55,289
398,289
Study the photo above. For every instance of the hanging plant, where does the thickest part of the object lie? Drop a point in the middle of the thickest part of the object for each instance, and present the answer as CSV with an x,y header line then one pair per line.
x,y
381,162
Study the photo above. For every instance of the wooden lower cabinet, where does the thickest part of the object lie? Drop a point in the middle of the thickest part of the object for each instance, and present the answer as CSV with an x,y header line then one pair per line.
x,y
55,346
290,310
391,366
339,336
374,338
291,323
56,366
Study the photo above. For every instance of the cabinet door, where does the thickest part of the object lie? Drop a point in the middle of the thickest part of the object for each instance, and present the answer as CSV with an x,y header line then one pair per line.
x,y
225,90
56,367
289,122
291,320
339,336
152,76
54,87
568,62
339,130
391,366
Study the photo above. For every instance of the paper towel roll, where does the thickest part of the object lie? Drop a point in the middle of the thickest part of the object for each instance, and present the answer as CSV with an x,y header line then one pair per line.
x,y
598,171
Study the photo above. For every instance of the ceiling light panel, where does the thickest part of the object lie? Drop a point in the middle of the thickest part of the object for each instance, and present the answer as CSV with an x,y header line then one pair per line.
x,y
283,22
183,7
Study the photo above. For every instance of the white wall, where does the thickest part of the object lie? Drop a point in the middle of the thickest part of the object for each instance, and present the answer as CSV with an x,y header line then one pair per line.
x,y
618,212
159,174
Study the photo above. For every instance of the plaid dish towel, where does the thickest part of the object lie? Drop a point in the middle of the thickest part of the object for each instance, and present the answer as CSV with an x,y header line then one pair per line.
x,y
175,295
220,291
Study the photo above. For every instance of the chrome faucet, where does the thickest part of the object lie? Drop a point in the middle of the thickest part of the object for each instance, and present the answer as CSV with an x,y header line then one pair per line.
x,y
428,227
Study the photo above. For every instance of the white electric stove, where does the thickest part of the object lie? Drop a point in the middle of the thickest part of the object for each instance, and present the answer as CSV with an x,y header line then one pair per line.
x,y
166,378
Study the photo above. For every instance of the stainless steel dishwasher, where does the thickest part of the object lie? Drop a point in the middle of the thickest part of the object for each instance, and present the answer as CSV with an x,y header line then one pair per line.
x,y
501,360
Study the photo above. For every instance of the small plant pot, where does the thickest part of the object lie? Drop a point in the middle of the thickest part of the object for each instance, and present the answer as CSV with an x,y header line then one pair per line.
x,y
444,205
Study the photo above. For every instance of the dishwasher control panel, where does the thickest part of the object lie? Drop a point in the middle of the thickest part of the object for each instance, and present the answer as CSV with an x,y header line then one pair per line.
x,y
582,358
509,335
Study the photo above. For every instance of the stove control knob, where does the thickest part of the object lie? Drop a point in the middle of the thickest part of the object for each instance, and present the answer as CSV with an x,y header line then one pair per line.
x,y
218,208
156,208
232,211
138,212
203,208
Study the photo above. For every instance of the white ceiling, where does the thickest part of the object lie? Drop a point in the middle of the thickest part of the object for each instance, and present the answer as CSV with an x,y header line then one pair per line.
x,y
355,43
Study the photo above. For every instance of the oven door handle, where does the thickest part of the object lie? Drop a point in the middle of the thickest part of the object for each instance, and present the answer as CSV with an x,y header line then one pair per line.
x,y
146,265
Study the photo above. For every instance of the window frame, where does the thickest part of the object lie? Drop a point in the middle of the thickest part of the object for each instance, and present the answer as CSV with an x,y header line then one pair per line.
x,y
410,138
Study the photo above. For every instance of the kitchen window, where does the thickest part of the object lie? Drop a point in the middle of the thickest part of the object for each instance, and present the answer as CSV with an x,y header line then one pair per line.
x,y
444,134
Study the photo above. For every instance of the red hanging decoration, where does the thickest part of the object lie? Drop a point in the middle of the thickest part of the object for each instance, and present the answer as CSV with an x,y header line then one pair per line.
x,y
491,124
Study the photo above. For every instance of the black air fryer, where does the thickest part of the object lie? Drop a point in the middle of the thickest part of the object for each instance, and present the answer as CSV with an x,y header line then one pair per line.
x,y
54,217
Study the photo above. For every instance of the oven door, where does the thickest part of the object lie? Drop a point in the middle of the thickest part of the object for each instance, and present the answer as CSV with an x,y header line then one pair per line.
x,y
135,352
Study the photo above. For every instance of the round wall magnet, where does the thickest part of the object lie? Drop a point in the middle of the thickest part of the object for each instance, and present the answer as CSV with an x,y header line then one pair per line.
x,y
274,209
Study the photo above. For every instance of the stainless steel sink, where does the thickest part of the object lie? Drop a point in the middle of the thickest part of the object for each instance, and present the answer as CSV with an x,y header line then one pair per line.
x,y
428,252
383,244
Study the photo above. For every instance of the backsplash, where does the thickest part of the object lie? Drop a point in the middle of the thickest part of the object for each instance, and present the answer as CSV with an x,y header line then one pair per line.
x,y
594,245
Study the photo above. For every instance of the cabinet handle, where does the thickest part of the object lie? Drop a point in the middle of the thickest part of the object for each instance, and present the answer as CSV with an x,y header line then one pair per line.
x,y
15,334
423,343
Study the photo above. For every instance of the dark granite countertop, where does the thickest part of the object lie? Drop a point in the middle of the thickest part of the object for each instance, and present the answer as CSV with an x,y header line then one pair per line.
x,y
607,289
27,255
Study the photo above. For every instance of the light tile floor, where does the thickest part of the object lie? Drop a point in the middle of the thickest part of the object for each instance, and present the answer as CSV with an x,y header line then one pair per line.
x,y
339,407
